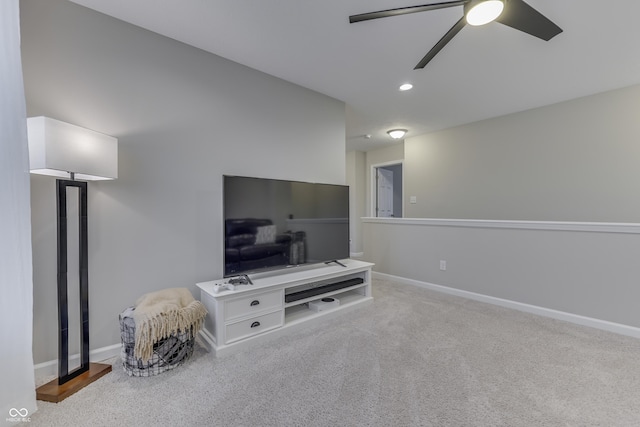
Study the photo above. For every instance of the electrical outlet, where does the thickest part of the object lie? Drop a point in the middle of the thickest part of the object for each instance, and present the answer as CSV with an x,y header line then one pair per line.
x,y
443,265
413,200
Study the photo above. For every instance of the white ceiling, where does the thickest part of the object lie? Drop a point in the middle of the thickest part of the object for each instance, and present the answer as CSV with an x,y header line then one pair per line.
x,y
483,72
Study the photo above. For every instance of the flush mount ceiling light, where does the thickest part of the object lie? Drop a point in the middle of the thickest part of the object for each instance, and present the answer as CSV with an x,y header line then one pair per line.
x,y
397,133
406,86
482,12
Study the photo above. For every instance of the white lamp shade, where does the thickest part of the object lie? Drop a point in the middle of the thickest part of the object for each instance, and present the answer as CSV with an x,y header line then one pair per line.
x,y
57,148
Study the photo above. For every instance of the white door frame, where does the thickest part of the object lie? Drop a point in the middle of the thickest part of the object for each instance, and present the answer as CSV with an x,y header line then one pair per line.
x,y
373,187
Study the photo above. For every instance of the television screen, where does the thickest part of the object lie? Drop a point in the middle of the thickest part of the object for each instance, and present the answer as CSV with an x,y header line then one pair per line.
x,y
272,224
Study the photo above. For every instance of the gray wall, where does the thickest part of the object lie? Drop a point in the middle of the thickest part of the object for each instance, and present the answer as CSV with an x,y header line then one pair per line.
x,y
357,181
183,118
591,274
576,161
573,161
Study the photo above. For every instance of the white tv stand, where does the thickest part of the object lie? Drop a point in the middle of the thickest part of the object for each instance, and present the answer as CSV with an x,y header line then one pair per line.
x,y
250,314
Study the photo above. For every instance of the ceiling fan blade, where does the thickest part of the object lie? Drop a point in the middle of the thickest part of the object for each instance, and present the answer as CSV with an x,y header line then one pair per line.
x,y
441,43
519,15
404,11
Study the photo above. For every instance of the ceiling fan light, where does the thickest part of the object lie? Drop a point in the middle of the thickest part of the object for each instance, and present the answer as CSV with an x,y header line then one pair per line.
x,y
483,12
397,133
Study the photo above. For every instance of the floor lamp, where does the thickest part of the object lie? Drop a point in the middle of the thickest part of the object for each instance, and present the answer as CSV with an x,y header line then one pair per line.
x,y
74,155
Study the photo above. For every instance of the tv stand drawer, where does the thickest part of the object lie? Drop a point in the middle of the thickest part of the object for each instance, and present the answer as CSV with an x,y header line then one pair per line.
x,y
253,304
249,327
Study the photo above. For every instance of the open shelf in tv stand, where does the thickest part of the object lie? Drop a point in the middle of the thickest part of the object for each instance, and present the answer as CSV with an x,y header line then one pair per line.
x,y
251,314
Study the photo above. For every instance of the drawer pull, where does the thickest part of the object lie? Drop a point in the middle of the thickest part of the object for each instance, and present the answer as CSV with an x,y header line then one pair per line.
x,y
255,324
254,302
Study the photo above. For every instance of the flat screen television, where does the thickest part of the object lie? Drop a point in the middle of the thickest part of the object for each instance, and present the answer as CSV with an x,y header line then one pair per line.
x,y
274,224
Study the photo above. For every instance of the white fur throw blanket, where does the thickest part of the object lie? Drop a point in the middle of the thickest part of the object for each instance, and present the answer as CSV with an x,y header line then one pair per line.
x,y
163,313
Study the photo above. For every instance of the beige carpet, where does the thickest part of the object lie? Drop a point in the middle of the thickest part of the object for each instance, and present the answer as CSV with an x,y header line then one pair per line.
x,y
412,358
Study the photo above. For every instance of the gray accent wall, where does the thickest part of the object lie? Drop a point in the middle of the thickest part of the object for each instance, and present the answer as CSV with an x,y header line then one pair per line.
x,y
582,273
568,164
357,181
573,161
183,118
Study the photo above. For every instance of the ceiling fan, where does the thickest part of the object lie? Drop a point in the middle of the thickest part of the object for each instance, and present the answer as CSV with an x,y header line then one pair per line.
x,y
513,13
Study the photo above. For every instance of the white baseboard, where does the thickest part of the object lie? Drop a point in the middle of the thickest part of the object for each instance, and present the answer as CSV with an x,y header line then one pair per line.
x,y
50,368
604,325
206,339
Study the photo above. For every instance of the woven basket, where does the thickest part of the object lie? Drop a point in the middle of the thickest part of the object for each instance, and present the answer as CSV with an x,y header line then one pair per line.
x,y
168,353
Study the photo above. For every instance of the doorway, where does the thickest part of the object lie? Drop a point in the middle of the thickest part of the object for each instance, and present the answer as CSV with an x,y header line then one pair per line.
x,y
386,185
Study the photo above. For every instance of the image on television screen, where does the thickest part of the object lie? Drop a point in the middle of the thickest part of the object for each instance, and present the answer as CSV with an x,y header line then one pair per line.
x,y
272,224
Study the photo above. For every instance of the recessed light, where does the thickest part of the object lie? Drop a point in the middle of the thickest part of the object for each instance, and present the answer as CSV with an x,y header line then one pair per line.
x,y
406,86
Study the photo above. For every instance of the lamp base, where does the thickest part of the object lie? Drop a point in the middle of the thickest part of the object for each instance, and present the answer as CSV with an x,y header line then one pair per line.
x,y
53,392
